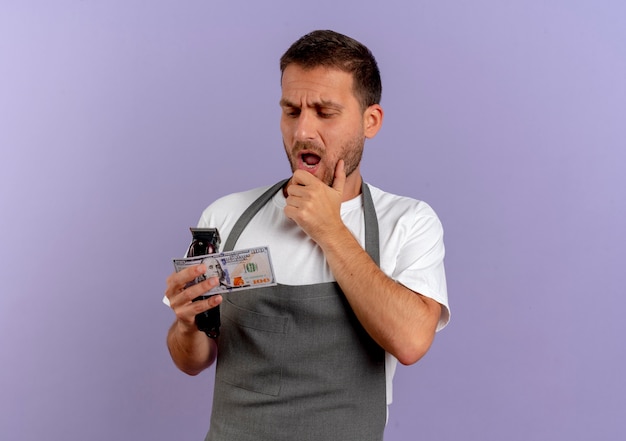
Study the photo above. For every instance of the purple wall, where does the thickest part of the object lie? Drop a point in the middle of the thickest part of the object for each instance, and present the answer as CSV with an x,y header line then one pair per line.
x,y
121,120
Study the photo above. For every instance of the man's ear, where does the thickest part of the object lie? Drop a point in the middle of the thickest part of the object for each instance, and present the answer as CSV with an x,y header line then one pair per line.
x,y
372,120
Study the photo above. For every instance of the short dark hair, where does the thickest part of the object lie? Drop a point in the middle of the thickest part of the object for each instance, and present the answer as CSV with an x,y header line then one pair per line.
x,y
332,49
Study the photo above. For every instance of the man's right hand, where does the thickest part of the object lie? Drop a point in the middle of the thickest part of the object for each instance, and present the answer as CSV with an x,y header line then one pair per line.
x,y
191,350
181,299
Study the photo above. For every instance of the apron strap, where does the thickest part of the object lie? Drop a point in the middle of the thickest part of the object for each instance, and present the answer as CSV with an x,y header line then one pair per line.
x,y
372,245
372,242
249,214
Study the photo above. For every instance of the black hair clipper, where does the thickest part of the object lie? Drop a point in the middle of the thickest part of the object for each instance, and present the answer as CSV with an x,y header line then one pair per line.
x,y
206,241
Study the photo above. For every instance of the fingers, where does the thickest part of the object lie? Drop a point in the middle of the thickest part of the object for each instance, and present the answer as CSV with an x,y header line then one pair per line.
x,y
300,186
204,304
181,298
186,314
177,281
340,176
301,177
193,292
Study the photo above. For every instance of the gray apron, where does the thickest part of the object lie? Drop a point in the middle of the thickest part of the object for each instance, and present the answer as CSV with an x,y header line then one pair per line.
x,y
294,363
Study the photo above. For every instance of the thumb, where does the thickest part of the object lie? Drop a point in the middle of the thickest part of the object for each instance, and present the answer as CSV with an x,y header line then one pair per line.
x,y
340,176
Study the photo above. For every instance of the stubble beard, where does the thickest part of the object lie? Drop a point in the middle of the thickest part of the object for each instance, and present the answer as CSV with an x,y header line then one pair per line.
x,y
351,153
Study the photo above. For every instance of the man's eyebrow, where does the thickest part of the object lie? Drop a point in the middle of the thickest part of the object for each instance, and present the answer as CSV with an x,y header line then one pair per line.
x,y
329,104
284,102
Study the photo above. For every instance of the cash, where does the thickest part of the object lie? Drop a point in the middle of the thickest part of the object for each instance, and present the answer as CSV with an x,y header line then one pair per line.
x,y
236,270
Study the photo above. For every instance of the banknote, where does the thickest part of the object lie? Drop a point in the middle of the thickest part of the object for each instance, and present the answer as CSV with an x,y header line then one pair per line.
x,y
236,270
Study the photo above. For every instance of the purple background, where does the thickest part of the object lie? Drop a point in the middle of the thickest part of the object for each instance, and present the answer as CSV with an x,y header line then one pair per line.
x,y
121,120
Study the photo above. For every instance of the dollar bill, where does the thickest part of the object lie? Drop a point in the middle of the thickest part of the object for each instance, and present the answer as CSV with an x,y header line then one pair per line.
x,y
236,270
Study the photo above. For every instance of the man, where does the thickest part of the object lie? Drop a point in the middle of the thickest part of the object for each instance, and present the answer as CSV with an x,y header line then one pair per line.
x,y
360,271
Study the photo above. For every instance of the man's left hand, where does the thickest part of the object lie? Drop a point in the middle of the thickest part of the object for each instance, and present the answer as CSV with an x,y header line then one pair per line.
x,y
315,206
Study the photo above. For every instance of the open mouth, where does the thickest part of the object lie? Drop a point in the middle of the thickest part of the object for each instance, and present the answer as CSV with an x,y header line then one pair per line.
x,y
310,160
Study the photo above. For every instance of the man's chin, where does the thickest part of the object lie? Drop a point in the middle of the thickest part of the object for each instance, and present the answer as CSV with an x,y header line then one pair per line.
x,y
319,173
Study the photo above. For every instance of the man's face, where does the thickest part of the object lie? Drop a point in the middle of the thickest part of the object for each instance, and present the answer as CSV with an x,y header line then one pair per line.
x,y
321,122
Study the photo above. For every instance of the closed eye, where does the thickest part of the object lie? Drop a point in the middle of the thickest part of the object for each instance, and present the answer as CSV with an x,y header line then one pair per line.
x,y
291,111
326,112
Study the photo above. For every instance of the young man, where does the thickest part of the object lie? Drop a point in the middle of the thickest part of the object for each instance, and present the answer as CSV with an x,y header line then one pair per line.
x,y
360,273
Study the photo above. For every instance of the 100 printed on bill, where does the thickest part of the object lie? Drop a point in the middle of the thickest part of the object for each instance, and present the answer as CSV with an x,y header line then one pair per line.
x,y
236,270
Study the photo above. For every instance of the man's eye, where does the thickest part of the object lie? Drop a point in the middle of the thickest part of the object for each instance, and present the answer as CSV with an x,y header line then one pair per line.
x,y
292,112
325,114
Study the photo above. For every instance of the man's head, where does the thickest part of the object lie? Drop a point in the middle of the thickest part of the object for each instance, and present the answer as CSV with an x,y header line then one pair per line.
x,y
334,50
330,93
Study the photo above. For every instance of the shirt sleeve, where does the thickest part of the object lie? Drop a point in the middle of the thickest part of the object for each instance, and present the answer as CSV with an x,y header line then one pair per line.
x,y
419,264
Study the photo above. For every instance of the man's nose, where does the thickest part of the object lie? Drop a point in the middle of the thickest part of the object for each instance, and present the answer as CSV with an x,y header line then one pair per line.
x,y
305,127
